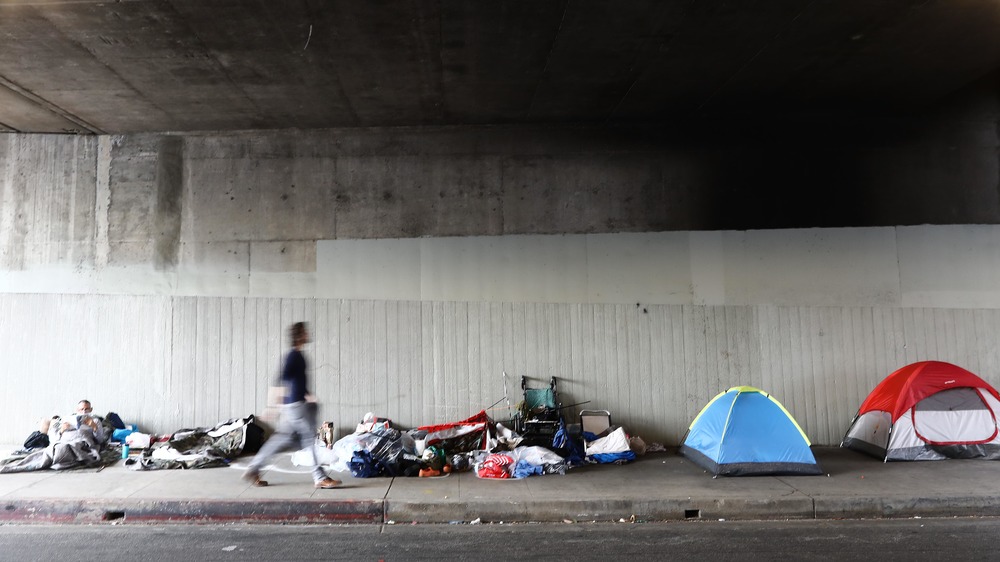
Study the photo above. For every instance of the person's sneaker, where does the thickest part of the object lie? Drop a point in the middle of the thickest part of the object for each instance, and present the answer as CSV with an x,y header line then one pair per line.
x,y
328,483
254,479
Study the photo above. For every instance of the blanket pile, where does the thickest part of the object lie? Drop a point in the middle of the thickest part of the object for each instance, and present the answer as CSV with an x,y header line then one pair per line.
x,y
204,447
76,448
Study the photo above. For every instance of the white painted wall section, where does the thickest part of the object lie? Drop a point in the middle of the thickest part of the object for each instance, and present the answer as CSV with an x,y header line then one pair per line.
x,y
950,266
816,267
369,269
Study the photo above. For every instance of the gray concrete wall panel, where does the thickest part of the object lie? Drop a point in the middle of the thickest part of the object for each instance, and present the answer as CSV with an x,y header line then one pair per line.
x,y
132,200
250,198
169,204
401,196
583,193
47,214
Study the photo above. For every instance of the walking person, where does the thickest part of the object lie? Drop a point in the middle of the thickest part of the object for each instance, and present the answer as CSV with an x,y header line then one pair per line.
x,y
297,420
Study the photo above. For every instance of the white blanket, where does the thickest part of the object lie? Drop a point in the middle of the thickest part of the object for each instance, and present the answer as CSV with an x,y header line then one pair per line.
x,y
614,442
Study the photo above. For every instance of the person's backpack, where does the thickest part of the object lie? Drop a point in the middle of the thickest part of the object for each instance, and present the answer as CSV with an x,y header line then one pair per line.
x,y
37,440
115,421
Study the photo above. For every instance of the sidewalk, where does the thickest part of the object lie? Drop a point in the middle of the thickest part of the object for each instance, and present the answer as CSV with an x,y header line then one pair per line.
x,y
655,487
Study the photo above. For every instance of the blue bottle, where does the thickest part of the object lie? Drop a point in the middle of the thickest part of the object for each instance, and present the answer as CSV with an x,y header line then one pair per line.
x,y
125,449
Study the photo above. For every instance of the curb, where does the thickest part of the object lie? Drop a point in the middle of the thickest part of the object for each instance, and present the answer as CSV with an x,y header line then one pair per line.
x,y
906,507
610,510
81,511
190,511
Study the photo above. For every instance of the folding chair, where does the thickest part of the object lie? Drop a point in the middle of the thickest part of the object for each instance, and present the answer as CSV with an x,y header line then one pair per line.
x,y
595,421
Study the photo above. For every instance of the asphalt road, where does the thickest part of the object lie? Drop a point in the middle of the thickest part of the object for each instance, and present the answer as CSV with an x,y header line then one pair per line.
x,y
882,540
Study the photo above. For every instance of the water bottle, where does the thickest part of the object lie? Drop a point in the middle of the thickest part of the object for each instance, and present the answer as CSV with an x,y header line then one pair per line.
x,y
125,449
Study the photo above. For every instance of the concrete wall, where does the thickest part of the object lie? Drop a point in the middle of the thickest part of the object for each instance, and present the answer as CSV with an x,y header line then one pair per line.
x,y
241,214
172,362
156,274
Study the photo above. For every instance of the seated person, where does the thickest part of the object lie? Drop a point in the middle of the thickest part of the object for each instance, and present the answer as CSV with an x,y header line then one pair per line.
x,y
68,442
83,417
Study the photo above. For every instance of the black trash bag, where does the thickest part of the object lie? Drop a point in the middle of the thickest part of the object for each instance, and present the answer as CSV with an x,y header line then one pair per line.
x,y
387,451
254,437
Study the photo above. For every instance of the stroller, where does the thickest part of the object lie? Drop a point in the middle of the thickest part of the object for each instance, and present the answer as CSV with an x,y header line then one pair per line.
x,y
539,416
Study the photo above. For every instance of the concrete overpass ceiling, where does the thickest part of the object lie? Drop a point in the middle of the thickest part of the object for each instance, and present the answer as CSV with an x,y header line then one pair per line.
x,y
188,65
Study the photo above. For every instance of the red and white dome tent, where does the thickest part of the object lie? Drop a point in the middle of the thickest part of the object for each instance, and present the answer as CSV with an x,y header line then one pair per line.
x,y
929,410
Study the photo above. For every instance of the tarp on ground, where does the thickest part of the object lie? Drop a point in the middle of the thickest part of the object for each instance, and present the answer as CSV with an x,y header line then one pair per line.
x,y
203,447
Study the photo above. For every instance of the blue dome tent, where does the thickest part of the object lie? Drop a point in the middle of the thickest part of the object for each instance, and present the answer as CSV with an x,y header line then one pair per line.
x,y
744,431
